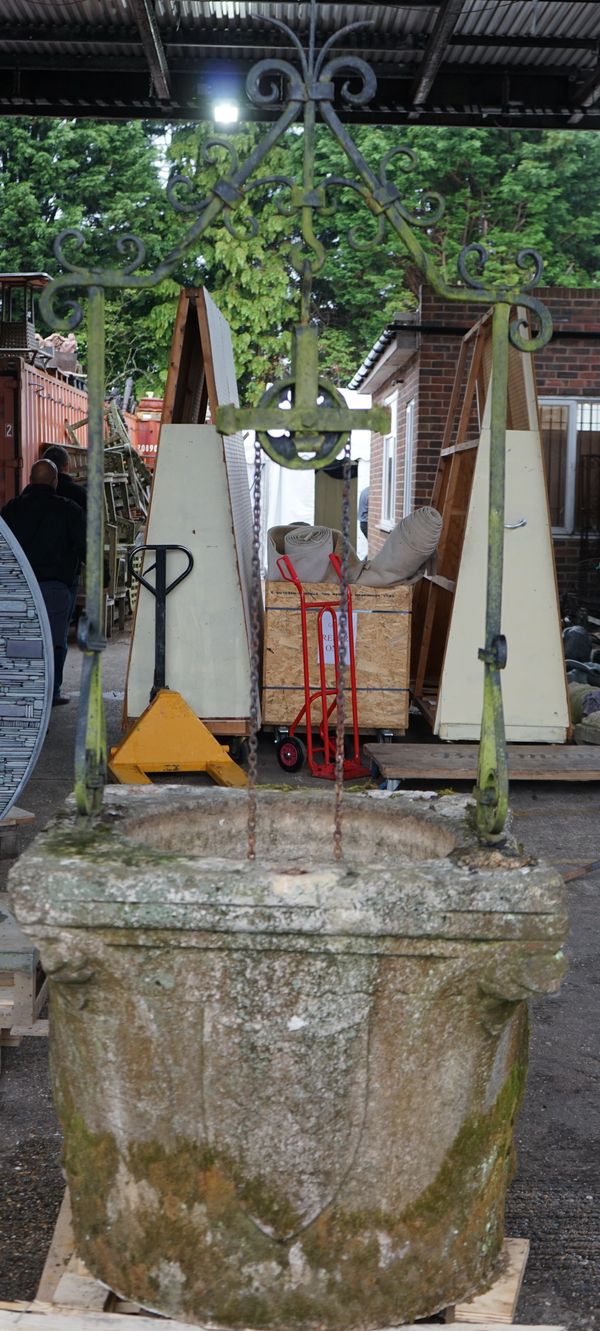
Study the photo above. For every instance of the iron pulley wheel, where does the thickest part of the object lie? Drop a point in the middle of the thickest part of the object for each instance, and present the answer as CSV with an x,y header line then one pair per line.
x,y
308,447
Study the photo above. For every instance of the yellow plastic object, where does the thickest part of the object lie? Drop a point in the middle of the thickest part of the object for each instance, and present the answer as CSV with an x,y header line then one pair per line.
x,y
169,737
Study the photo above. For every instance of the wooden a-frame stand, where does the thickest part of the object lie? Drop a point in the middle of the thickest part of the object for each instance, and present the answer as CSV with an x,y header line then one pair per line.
x,y
200,497
449,605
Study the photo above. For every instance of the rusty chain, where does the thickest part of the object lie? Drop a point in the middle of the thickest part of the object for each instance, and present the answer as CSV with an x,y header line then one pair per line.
x,y
344,629
255,603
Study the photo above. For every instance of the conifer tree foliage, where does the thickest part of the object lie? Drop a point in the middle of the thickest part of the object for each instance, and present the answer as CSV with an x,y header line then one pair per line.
x,y
507,189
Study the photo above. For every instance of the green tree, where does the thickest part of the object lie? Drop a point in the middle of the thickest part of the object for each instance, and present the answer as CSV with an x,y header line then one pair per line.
x,y
507,189
100,178
243,271
515,188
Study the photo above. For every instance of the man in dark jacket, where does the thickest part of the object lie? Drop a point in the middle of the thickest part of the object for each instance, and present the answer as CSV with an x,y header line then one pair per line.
x,y
51,531
67,488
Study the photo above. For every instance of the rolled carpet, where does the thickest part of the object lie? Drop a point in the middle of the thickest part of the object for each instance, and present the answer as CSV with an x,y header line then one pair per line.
x,y
406,552
309,549
276,548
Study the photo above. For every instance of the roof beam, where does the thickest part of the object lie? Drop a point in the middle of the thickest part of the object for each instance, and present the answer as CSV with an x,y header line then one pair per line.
x,y
587,96
445,23
204,37
523,41
157,61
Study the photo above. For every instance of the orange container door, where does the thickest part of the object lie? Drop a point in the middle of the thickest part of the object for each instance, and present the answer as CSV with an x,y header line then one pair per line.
x,y
9,459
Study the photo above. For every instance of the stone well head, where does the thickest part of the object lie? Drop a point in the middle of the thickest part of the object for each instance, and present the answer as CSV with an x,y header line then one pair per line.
x,y
287,1087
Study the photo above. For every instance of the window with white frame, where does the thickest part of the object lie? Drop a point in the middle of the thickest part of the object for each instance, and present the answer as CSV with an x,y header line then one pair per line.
x,y
388,488
571,443
409,458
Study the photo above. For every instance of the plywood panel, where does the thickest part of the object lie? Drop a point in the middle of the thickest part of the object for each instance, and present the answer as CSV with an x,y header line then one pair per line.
x,y
201,378
218,354
382,645
207,657
533,684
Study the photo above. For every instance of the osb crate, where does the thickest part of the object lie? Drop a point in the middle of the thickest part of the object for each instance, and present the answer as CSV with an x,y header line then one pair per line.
x,y
382,617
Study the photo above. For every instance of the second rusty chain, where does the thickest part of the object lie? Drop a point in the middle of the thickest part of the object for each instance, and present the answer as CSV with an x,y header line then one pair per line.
x,y
344,629
255,605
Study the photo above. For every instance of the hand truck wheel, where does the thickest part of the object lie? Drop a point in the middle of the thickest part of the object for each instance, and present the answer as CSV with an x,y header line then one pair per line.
x,y
291,753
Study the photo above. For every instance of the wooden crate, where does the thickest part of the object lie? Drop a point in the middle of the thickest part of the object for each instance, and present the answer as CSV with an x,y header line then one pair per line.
x,y
382,617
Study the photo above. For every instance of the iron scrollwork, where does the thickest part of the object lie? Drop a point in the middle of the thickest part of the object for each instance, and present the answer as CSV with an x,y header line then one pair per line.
x,y
302,420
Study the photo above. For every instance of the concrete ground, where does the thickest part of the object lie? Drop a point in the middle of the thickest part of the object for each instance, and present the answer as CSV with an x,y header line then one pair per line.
x,y
554,1199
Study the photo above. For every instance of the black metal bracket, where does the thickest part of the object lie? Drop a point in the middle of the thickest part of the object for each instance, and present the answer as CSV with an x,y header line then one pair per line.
x,y
496,654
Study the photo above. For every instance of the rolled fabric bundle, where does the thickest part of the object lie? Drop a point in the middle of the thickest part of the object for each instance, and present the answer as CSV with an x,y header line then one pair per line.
x,y
307,552
355,565
406,552
309,549
276,548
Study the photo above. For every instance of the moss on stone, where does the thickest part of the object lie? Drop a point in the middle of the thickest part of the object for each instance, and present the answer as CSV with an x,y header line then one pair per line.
x,y
100,844
208,1236
91,1161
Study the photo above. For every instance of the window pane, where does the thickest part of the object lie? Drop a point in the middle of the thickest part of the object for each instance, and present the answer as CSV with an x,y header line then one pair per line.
x,y
409,457
587,509
389,484
17,304
554,423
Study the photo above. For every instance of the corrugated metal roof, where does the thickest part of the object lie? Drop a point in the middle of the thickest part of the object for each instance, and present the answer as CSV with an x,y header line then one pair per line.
x,y
526,62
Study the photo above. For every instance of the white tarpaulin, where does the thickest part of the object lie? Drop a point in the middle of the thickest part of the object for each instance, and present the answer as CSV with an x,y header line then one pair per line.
x,y
289,496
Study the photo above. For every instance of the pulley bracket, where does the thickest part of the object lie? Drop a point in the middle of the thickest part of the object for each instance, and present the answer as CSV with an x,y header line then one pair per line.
x,y
303,421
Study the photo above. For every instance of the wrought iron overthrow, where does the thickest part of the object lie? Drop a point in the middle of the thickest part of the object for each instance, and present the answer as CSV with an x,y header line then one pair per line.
x,y
302,421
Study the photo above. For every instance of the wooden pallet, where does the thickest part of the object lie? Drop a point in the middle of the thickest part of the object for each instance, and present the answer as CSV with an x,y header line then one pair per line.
x,y
10,828
37,1317
67,1290
23,985
458,762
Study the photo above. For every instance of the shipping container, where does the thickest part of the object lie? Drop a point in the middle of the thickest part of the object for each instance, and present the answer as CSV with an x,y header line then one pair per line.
x,y
147,428
42,390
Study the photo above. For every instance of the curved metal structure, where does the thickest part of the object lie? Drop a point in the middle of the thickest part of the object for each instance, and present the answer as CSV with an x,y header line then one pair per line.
x,y
300,420
26,669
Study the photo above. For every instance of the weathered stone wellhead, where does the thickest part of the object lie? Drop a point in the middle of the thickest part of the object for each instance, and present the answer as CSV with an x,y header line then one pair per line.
x,y
288,1087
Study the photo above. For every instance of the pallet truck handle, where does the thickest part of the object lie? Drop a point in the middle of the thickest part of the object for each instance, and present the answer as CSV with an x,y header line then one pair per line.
x,y
160,591
158,549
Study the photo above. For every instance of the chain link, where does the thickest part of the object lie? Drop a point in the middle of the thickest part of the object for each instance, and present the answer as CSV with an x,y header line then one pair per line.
x,y
342,649
255,605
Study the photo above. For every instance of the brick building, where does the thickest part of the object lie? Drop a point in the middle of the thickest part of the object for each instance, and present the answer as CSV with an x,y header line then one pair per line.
x,y
411,368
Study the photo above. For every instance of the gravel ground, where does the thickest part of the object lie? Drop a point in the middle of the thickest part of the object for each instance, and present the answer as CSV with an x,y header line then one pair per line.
x,y
554,1200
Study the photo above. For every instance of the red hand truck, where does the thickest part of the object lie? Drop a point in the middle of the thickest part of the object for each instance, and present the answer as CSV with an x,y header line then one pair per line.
x,y
320,754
